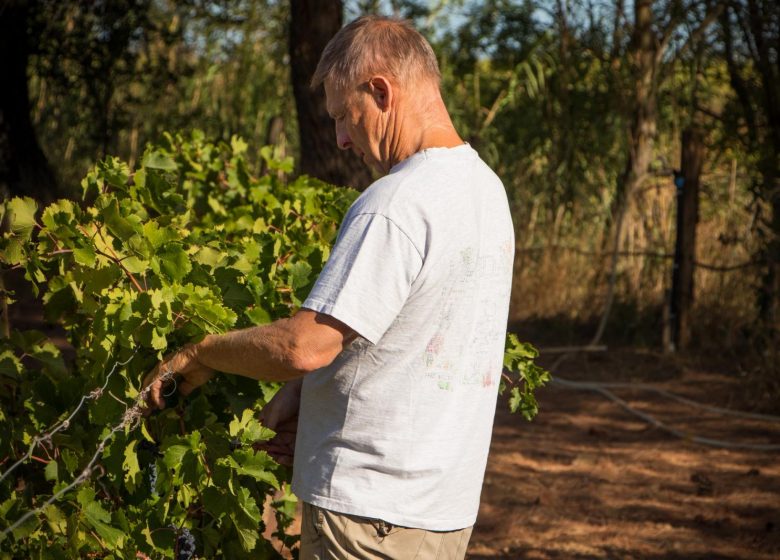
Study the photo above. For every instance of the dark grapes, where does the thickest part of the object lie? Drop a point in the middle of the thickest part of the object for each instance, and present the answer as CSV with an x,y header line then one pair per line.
x,y
148,452
185,545
149,446
151,471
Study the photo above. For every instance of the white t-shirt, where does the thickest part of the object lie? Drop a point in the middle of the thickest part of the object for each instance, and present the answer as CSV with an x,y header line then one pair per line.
x,y
398,426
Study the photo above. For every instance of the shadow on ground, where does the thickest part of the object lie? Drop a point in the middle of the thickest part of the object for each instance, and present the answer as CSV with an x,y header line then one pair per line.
x,y
587,479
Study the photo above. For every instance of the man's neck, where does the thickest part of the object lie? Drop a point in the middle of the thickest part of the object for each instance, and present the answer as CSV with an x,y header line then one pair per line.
x,y
420,131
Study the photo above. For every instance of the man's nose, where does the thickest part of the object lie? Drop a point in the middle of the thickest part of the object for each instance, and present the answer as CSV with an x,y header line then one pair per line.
x,y
342,138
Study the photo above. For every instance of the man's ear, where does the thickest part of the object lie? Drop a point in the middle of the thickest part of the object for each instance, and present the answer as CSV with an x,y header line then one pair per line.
x,y
382,91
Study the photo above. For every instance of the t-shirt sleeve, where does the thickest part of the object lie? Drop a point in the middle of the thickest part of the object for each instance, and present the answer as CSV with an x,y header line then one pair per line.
x,y
368,276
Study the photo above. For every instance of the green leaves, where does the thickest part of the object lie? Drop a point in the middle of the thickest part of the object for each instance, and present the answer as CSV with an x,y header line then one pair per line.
x,y
519,360
258,465
172,262
246,517
120,223
21,215
99,519
157,159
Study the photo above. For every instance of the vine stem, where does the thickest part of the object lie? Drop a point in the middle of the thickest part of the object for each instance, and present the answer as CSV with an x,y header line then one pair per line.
x,y
113,256
118,261
46,436
130,419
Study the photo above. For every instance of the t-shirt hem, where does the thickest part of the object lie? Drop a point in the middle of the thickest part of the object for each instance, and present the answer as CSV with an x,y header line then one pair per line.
x,y
393,518
352,321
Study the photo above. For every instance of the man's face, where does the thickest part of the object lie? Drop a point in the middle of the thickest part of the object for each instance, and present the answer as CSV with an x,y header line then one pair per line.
x,y
357,123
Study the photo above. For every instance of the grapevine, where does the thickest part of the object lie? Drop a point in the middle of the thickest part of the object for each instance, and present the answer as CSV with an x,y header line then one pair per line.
x,y
129,422
187,244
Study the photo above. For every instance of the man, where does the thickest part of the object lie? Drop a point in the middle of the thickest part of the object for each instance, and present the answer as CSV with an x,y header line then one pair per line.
x,y
394,359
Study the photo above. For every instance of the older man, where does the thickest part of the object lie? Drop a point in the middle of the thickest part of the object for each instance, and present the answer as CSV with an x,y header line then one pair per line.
x,y
394,359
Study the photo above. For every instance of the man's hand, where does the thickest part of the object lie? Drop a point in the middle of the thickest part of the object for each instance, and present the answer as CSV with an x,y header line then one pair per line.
x,y
185,366
281,415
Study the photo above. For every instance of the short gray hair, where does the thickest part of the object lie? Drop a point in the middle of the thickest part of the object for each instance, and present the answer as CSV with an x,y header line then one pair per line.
x,y
376,44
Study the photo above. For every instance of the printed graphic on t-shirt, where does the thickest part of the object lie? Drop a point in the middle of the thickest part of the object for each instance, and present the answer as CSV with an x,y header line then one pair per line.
x,y
450,361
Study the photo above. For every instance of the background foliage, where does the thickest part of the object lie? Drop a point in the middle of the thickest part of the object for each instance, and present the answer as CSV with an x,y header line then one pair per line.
x,y
550,92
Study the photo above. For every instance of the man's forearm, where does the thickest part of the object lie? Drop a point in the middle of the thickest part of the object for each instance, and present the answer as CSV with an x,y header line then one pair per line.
x,y
267,353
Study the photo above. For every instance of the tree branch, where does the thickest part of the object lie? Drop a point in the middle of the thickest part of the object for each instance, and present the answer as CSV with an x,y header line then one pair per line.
x,y
713,12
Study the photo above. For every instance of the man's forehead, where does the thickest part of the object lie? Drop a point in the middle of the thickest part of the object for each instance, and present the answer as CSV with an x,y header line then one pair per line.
x,y
330,104
334,99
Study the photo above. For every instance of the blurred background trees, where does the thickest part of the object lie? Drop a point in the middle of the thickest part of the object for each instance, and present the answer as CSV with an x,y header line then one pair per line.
x,y
580,106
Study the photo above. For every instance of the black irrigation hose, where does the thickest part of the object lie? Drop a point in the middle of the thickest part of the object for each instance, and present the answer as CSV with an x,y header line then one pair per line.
x,y
602,390
683,400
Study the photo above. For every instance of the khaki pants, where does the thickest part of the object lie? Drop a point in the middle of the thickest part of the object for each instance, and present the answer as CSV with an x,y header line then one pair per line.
x,y
327,535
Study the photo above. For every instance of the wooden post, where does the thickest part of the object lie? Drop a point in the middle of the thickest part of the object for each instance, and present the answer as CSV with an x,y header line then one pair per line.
x,y
667,340
687,183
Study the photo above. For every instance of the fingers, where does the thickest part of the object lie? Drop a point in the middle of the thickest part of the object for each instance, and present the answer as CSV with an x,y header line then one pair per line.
x,y
152,391
190,373
283,456
281,449
269,417
153,398
283,459
156,394
185,387
281,408
155,387
277,417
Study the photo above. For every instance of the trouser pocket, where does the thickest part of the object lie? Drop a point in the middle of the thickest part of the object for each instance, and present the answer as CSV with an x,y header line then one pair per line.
x,y
312,541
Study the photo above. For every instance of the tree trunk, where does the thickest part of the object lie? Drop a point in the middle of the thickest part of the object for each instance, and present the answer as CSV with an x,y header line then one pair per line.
x,y
769,288
765,37
643,58
760,104
312,24
692,159
24,169
769,295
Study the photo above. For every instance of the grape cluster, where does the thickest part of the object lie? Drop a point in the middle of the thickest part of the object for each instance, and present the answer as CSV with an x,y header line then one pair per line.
x,y
185,545
149,453
147,446
151,474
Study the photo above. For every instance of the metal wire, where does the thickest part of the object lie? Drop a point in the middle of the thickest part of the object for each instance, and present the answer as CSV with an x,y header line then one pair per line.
x,y
130,420
65,424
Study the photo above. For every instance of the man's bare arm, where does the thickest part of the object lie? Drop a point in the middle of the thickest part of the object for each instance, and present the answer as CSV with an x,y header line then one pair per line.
x,y
283,350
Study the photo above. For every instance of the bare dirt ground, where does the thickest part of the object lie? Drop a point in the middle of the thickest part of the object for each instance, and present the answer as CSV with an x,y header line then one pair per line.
x,y
586,479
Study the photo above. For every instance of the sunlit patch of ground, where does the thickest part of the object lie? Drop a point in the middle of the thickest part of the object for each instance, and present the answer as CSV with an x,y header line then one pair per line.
x,y
588,480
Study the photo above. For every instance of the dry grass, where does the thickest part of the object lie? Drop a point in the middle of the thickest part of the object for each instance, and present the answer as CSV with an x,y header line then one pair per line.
x,y
563,258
